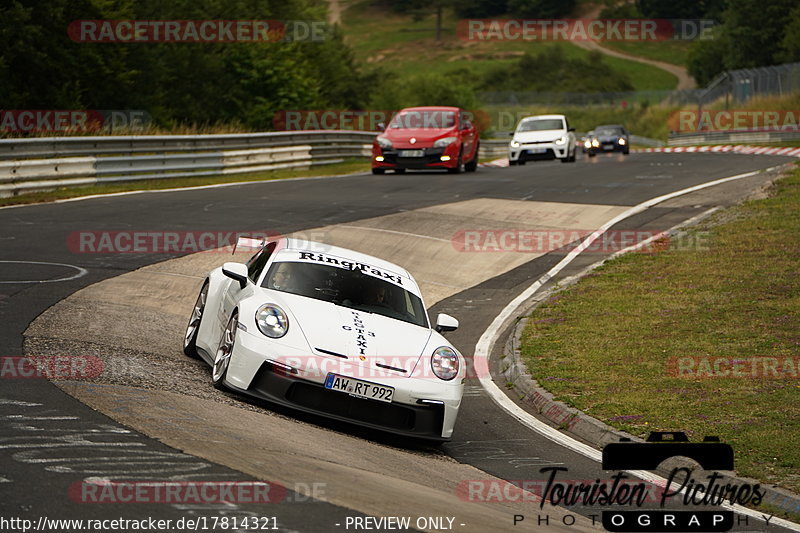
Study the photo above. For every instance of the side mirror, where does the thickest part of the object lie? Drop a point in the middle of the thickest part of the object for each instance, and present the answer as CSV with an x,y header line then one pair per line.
x,y
446,323
236,271
511,133
381,126
570,129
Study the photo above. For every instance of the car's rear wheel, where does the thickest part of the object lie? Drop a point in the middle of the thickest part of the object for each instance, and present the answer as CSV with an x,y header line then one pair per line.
x,y
192,329
378,170
472,166
512,162
222,359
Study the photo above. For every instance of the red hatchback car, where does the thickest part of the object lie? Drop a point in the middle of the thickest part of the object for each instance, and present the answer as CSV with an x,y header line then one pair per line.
x,y
427,138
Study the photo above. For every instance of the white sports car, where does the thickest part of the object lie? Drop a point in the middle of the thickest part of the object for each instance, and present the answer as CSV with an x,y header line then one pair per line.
x,y
329,331
542,137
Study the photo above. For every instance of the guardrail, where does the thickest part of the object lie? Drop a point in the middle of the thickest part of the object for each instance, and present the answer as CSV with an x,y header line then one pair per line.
x,y
33,164
733,137
45,163
494,147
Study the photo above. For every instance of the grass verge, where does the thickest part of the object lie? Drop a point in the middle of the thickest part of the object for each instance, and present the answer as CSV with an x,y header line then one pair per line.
x,y
406,45
606,344
346,167
673,52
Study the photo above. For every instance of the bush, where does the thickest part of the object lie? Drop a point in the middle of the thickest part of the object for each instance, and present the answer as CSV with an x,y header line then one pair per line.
x,y
423,90
552,71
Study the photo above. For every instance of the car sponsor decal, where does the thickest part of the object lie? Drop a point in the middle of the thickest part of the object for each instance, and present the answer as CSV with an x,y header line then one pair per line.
x,y
361,334
351,265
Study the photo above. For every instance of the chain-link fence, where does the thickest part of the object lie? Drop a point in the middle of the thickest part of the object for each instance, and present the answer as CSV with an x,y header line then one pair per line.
x,y
739,86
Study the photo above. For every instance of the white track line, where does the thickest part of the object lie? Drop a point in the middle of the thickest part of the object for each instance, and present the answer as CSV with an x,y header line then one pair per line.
x,y
177,189
81,272
489,337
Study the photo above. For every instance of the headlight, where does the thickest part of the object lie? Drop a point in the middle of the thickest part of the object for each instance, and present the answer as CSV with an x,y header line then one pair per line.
x,y
272,321
595,143
514,144
621,141
444,363
561,140
444,141
587,143
384,143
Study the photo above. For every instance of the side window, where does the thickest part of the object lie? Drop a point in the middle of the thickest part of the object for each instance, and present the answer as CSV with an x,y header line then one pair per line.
x,y
256,263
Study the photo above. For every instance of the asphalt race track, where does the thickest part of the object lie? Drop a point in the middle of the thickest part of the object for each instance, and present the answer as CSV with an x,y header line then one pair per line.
x,y
50,441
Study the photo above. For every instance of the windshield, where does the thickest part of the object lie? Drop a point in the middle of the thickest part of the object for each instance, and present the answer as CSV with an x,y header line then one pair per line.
x,y
609,131
347,288
424,119
542,125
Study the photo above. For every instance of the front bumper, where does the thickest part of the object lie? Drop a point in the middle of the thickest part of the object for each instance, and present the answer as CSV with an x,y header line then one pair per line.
x,y
421,408
431,158
611,146
538,152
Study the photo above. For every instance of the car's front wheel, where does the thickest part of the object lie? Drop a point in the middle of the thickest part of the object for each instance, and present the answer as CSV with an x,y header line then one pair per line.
x,y
378,170
472,166
193,328
222,359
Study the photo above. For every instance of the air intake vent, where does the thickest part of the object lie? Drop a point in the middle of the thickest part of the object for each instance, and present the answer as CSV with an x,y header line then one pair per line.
x,y
328,352
387,367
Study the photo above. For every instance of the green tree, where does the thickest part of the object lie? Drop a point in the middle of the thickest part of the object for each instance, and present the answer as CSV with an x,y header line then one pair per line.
x,y
681,9
790,47
200,83
754,33
420,9
543,9
707,59
480,8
